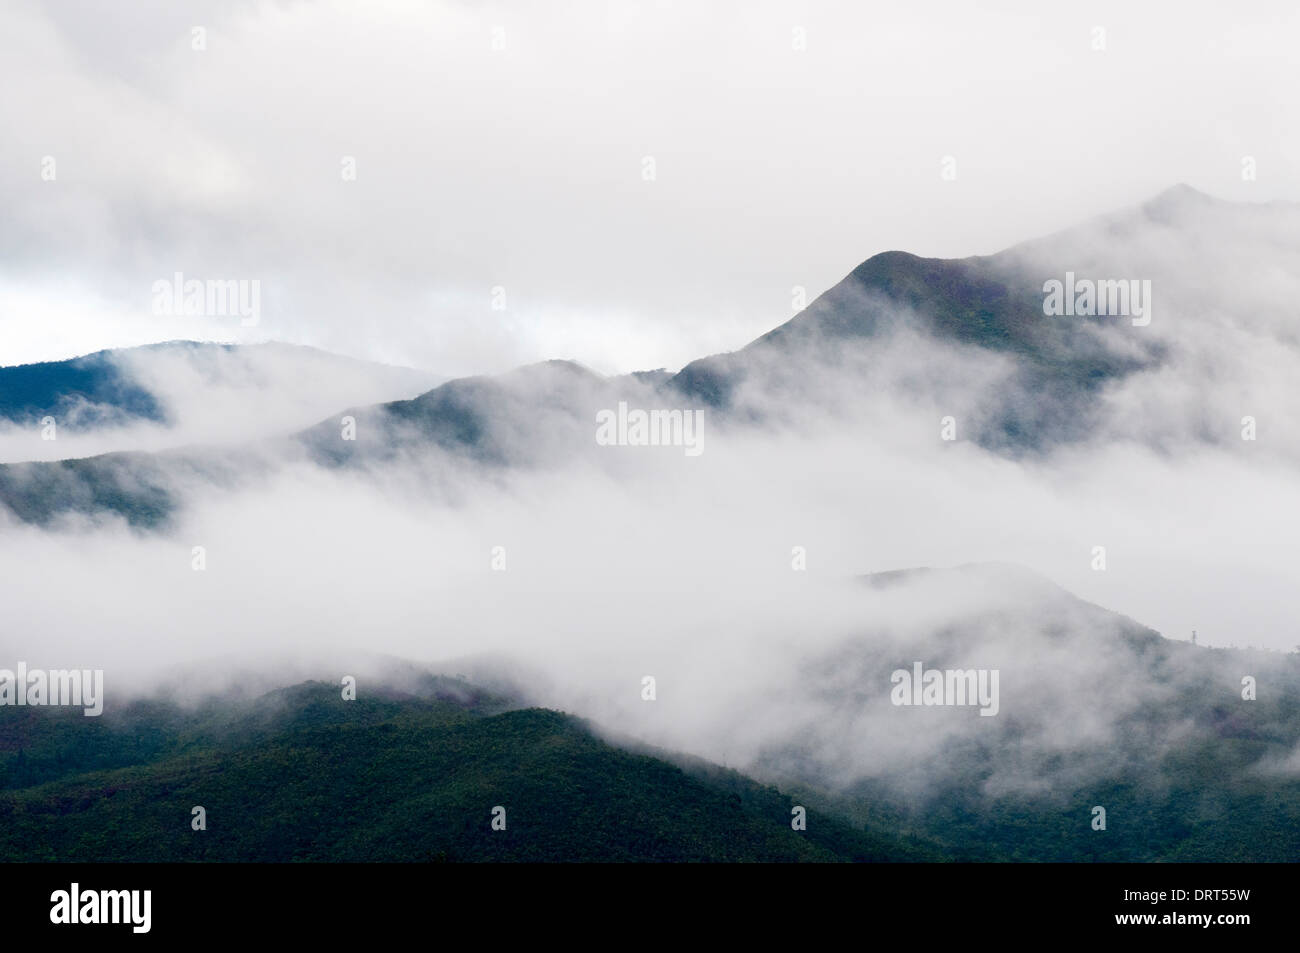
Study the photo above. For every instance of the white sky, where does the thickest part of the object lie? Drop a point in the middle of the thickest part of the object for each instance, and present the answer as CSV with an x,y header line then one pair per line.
x,y
522,168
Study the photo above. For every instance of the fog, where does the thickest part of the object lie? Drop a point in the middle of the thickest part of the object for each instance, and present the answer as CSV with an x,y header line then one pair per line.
x,y
505,218
521,168
209,395
620,562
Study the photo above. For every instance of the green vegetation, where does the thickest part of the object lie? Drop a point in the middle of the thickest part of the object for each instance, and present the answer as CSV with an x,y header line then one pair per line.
x,y
300,775
1195,774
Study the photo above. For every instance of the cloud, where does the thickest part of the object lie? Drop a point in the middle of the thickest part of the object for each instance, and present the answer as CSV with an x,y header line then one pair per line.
x,y
622,562
522,171
212,395
522,168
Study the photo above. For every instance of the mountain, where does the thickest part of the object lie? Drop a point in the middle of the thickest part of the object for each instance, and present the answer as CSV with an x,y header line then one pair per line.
x,y
976,303
901,343
1202,256
95,390
301,775
1093,710
181,411
534,413
166,395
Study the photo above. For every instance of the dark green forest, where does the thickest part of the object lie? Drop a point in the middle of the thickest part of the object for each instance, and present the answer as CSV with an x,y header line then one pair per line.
x,y
301,775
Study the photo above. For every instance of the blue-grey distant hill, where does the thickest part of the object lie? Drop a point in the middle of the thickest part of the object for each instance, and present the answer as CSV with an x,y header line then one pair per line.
x,y
989,309
94,387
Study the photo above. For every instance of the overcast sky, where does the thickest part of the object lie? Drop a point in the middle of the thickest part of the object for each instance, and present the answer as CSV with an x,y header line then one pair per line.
x,y
523,168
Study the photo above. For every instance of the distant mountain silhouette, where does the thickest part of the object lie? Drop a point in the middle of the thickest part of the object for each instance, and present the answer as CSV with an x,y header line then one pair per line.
x,y
989,308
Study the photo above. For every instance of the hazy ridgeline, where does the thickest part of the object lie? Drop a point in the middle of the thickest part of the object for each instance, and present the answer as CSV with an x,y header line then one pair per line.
x,y
920,413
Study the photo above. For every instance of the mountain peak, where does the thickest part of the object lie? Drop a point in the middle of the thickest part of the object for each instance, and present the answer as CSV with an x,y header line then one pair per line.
x,y
1177,201
1183,192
